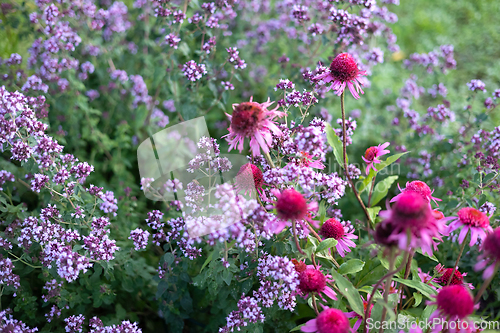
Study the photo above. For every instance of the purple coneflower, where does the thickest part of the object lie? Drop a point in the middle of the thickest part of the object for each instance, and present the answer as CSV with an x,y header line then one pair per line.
x,y
419,187
411,223
372,154
343,233
490,255
328,321
475,221
254,121
343,71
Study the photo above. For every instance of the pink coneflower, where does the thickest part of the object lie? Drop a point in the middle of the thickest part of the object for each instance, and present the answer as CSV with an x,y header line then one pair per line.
x,y
308,161
354,314
254,121
292,206
312,280
419,187
453,303
490,255
328,321
445,274
372,154
475,221
343,72
249,178
411,223
343,233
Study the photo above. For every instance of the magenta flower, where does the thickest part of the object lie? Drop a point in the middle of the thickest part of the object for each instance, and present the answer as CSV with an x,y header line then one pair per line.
x,y
490,255
328,321
312,280
475,221
342,232
343,72
249,178
254,121
419,187
292,206
372,154
454,304
411,223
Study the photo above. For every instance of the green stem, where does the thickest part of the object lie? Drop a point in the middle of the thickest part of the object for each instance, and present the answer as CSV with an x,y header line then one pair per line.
x,y
387,288
458,259
269,160
344,150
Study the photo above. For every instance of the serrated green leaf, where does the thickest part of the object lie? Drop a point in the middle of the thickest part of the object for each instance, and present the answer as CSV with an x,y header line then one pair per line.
x,y
349,292
382,188
352,266
326,244
336,144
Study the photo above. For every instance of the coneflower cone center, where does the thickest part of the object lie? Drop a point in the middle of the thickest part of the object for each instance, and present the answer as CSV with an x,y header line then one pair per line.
x,y
332,229
312,280
455,301
371,153
332,321
344,68
246,118
250,176
473,217
419,187
291,205
456,280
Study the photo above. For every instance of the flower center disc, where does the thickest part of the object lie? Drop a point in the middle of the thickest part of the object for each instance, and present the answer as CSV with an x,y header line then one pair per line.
x,y
246,117
344,67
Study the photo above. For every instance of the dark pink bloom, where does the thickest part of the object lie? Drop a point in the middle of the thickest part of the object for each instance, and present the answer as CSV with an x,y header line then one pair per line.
x,y
411,223
312,280
475,221
490,255
455,302
253,121
419,187
372,154
249,178
328,321
343,233
343,71
292,206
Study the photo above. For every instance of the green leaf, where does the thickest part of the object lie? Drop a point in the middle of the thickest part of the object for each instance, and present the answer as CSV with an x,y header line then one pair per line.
x,y
425,289
433,257
326,244
336,144
227,276
321,211
209,259
382,188
482,200
352,266
488,177
297,328
418,299
162,287
373,212
348,291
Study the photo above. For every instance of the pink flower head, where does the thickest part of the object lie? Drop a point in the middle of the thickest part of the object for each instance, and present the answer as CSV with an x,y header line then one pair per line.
x,y
419,187
328,321
475,221
308,161
454,302
292,206
254,121
372,154
342,232
411,214
312,280
343,72
490,255
249,178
